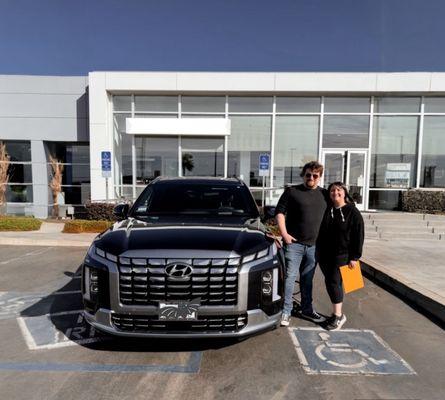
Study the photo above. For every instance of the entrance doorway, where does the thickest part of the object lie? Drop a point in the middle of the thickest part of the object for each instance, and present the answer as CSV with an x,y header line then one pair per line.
x,y
348,166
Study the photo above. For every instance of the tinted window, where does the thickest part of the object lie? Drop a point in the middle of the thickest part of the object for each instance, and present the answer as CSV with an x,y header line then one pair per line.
x,y
196,199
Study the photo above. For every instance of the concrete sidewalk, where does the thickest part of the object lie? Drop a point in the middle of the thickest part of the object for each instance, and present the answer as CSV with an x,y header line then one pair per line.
x,y
50,234
414,268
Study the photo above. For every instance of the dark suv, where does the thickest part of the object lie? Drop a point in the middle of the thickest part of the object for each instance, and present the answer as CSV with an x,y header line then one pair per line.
x,y
189,259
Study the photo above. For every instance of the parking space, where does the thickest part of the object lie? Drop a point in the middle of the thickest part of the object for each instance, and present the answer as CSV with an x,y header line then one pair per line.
x,y
386,350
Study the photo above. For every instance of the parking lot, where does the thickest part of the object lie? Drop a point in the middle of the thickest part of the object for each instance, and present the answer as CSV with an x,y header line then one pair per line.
x,y
386,351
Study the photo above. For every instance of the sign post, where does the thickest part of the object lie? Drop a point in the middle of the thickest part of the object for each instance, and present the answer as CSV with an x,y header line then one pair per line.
x,y
106,169
264,163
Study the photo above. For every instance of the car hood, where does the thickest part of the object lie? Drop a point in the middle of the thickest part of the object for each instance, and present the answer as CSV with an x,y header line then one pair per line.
x,y
133,234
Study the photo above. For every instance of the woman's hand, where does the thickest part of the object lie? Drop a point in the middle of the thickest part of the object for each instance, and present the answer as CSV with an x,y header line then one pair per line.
x,y
353,264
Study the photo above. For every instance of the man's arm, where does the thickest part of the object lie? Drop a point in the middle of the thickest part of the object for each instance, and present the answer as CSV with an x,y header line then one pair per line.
x,y
281,221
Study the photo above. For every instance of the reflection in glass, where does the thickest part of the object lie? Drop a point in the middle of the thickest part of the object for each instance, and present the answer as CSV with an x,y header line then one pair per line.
x,y
18,150
347,104
155,156
122,103
356,165
333,168
397,104
296,143
434,104
298,104
385,199
250,104
156,103
19,193
203,104
345,131
202,156
20,173
433,153
393,156
250,136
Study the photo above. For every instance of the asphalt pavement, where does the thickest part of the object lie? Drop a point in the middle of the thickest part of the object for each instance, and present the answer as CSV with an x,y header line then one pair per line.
x,y
387,350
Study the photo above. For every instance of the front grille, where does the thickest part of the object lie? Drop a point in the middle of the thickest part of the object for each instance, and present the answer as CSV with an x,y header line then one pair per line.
x,y
145,282
140,323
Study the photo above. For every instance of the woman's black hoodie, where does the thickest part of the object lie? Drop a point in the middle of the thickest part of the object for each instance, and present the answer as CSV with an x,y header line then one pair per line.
x,y
341,235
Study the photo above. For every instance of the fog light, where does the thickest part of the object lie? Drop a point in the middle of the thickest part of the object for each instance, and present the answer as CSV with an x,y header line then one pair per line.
x,y
267,289
267,276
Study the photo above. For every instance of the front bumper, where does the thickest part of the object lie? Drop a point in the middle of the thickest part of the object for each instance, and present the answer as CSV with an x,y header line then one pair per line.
x,y
257,321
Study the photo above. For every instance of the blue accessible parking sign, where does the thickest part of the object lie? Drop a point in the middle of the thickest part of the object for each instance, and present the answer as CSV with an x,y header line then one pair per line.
x,y
106,164
264,162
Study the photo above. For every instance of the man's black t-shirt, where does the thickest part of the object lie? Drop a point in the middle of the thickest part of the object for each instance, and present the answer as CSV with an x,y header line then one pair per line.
x,y
304,209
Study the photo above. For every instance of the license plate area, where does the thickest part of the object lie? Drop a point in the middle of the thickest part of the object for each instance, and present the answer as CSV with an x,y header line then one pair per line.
x,y
179,310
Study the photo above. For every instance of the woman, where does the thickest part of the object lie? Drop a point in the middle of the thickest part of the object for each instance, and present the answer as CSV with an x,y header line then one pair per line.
x,y
339,243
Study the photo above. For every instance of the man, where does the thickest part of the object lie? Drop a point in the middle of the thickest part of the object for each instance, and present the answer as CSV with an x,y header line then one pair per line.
x,y
299,213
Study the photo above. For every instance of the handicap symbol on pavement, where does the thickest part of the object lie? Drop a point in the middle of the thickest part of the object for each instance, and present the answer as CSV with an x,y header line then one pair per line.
x,y
349,351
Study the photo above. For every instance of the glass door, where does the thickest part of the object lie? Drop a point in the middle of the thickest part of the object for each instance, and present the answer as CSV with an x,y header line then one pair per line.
x,y
355,176
348,166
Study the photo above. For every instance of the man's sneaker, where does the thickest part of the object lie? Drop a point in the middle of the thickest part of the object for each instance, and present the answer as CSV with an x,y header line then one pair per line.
x,y
285,318
335,323
313,316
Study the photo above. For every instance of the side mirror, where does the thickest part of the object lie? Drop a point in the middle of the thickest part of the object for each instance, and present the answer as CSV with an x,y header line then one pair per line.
x,y
121,211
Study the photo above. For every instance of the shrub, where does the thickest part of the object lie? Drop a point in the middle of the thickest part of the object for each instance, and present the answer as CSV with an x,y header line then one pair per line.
x,y
424,201
100,211
10,223
86,226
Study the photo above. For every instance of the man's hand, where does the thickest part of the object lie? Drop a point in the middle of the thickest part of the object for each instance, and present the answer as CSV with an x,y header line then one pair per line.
x,y
288,239
353,264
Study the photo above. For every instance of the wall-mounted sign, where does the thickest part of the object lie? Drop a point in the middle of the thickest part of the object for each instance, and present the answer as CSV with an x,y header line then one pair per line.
x,y
397,175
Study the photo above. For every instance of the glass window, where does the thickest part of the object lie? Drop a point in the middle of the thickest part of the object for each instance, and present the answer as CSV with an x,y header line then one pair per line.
x,y
122,151
346,104
393,158
156,103
203,104
20,173
434,104
18,151
19,194
433,153
122,103
148,116
250,104
296,143
156,156
202,156
385,199
76,194
397,104
345,131
250,136
297,104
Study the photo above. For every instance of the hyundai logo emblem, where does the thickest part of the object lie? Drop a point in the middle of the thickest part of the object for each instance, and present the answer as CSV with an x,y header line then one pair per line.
x,y
178,271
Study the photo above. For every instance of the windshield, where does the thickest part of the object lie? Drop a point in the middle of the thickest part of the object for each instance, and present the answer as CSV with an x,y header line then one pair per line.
x,y
195,199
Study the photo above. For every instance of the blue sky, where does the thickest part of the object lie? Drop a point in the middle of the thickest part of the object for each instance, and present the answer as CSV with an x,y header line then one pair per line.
x,y
74,37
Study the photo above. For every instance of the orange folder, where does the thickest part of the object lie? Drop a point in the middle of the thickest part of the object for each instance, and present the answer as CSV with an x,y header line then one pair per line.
x,y
352,278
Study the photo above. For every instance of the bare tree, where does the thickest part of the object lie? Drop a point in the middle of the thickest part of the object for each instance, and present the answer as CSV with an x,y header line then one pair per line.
x,y
56,183
4,176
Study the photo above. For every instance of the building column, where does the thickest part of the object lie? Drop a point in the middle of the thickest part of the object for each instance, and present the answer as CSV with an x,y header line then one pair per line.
x,y
39,179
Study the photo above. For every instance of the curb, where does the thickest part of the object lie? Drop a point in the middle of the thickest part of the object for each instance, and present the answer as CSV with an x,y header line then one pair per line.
x,y
43,242
428,302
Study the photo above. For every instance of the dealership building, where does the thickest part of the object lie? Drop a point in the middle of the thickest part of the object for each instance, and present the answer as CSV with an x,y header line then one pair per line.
x,y
381,133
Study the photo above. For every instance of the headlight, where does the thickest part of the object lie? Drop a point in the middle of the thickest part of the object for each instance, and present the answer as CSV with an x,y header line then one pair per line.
x,y
269,285
257,255
106,255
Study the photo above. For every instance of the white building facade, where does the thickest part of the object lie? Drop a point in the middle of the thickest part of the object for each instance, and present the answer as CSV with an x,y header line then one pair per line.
x,y
381,133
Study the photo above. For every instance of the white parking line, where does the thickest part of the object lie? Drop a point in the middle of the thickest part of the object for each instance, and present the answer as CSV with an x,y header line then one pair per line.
x,y
31,253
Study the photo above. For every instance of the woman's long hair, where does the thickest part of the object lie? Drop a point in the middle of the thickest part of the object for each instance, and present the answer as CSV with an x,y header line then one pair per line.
x,y
341,185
